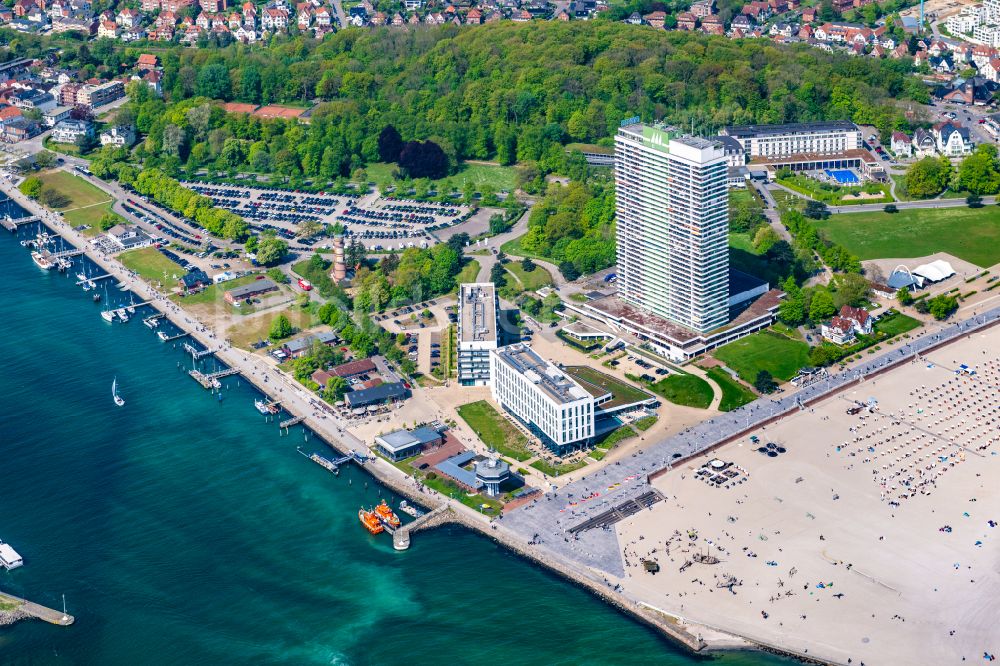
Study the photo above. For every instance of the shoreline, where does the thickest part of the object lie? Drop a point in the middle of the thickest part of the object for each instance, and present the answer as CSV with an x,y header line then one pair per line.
x,y
679,631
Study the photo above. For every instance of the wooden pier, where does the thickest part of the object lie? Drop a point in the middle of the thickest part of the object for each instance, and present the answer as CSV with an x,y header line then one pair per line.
x,y
167,338
66,253
292,421
195,353
211,381
34,610
11,223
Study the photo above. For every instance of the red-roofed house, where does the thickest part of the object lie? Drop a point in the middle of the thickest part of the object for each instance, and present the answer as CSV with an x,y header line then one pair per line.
x,y
838,330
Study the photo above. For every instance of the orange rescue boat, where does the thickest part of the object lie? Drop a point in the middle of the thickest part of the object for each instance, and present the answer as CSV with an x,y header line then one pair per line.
x,y
386,514
370,521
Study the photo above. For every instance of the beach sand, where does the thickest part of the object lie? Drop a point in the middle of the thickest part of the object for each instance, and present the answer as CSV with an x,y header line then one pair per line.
x,y
897,586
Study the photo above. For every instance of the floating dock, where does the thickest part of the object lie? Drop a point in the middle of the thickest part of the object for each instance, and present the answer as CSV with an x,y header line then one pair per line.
x,y
12,223
38,611
195,353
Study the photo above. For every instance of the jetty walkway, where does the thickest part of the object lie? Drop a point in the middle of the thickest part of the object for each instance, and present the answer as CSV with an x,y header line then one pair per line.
x,y
23,607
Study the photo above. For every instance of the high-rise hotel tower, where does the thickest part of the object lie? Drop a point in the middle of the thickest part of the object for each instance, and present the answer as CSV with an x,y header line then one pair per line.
x,y
673,225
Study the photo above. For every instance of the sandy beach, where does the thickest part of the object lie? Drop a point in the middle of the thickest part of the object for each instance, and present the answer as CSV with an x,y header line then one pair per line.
x,y
873,538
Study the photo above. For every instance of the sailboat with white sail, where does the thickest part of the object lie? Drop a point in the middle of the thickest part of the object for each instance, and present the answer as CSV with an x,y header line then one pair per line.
x,y
114,393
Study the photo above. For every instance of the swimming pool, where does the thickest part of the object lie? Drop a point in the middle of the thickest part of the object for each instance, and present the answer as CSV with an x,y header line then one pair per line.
x,y
843,176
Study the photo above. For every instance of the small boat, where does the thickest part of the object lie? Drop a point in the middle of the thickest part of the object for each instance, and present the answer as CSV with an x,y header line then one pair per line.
x,y
162,336
386,515
409,509
87,286
261,406
81,277
97,298
42,261
370,521
9,557
122,314
114,393
107,315
131,309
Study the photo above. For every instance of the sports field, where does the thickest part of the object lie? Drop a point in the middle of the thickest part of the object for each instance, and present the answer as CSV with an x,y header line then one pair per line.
x,y
967,233
770,351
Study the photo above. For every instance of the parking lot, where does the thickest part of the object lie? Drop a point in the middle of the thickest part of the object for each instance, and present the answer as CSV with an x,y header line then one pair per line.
x,y
379,223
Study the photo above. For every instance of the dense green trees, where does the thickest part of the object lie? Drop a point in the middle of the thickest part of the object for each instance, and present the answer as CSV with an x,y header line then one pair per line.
x,y
979,173
574,224
168,192
807,237
31,187
280,328
929,177
271,250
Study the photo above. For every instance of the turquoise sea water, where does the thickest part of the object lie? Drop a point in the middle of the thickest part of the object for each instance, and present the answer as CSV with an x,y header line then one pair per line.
x,y
183,530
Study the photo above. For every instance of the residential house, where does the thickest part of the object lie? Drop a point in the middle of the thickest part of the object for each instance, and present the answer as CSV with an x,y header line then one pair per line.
x,y
712,25
924,144
685,20
303,15
246,35
149,5
146,62
70,131
9,114
194,280
901,145
941,64
121,136
19,129
743,22
635,18
108,29
859,318
759,10
952,139
657,19
783,29
175,6
474,17
68,92
274,18
703,8
991,70
809,15
166,20
213,6
127,18
55,115
324,17
380,18
838,330
30,99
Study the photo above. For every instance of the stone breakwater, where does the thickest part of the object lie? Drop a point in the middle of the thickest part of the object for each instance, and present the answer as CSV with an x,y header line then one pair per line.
x,y
8,617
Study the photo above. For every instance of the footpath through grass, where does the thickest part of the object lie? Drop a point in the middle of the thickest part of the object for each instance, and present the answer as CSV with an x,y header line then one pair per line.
x,y
967,233
734,394
495,431
530,281
767,350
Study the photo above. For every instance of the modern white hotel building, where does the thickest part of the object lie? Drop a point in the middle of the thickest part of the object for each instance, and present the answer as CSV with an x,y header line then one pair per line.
x,y
542,397
478,309
819,138
675,288
673,225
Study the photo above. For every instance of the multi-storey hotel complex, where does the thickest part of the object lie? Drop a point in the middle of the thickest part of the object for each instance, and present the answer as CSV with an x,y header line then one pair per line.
x,y
477,332
542,397
673,225
820,138
675,287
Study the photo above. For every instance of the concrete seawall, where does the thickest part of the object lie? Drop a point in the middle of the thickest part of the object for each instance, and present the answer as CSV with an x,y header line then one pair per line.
x,y
22,609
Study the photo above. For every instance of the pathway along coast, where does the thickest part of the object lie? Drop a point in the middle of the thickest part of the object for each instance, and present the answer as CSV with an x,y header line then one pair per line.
x,y
297,401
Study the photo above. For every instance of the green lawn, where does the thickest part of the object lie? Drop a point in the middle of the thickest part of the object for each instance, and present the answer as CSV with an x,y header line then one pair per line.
x,y
449,488
896,324
598,382
213,293
495,430
967,233
740,241
468,273
501,178
80,192
734,394
767,350
530,281
548,468
686,390
150,264
836,195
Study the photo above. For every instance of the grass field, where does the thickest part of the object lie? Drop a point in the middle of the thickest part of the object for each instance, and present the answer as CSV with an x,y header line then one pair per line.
x,y
150,264
87,203
741,241
252,329
594,380
734,394
686,390
501,178
895,324
495,431
780,356
530,281
967,233
213,293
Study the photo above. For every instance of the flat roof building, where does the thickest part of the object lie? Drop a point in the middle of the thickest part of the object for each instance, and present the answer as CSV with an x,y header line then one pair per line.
x,y
389,392
673,225
542,397
255,288
821,138
478,309
401,444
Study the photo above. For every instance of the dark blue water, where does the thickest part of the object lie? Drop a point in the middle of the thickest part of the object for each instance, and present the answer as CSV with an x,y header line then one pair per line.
x,y
183,530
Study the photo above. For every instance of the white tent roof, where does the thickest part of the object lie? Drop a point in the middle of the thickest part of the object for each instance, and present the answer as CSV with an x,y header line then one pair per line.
x,y
935,271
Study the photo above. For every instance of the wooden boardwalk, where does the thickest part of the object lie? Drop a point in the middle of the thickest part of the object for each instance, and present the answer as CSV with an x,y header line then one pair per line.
x,y
38,611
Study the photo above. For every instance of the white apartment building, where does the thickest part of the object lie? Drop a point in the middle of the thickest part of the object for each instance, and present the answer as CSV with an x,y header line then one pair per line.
x,y
988,35
966,20
991,11
672,218
478,309
542,397
820,138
